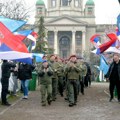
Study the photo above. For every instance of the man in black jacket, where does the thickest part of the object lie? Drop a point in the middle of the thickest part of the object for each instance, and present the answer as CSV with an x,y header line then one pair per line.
x,y
114,77
87,80
6,67
25,74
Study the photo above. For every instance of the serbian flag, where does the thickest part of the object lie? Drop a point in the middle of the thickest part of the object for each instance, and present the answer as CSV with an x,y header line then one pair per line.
x,y
33,37
17,56
33,42
95,39
9,42
11,24
115,48
103,47
34,34
22,34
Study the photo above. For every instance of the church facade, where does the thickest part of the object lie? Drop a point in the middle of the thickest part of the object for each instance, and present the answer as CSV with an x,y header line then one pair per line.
x,y
69,24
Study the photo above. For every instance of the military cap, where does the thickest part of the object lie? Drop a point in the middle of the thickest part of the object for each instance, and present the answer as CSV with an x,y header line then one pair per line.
x,y
72,56
52,55
44,61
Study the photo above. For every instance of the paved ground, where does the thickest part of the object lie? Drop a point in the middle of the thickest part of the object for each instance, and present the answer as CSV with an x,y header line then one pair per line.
x,y
93,105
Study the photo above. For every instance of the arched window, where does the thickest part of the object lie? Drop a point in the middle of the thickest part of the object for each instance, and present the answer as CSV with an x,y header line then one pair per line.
x,y
78,38
51,38
76,3
64,45
90,10
39,10
53,3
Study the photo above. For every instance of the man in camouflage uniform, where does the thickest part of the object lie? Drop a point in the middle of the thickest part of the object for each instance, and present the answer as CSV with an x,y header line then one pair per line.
x,y
39,65
66,78
60,76
82,74
46,83
54,65
72,70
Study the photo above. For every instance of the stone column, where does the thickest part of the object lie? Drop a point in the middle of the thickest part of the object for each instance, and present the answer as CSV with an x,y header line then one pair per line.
x,y
57,4
60,2
72,4
48,4
55,42
73,42
83,42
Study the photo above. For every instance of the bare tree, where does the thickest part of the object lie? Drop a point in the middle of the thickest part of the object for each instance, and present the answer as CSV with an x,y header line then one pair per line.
x,y
15,9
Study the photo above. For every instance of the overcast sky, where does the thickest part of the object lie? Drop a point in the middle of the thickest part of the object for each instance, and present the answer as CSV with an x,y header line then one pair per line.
x,y
106,11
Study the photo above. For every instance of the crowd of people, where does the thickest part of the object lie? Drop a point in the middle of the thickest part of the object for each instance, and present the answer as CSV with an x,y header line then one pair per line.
x,y
56,76
21,71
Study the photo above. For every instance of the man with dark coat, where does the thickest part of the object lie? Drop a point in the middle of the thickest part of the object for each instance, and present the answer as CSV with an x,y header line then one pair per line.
x,y
87,81
25,74
113,76
54,65
6,69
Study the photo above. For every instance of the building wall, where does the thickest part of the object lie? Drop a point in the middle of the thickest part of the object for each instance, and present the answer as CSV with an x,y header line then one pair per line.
x,y
55,21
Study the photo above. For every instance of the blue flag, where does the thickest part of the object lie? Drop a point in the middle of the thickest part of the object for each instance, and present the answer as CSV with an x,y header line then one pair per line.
x,y
118,22
103,65
38,57
11,24
23,32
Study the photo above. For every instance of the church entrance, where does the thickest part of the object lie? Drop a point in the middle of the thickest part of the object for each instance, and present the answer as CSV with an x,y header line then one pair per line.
x,y
64,47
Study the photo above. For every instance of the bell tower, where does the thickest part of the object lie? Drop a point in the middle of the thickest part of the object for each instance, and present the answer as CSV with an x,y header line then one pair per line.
x,y
90,8
40,10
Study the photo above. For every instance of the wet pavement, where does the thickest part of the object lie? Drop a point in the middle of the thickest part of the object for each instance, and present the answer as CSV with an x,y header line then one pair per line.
x,y
94,105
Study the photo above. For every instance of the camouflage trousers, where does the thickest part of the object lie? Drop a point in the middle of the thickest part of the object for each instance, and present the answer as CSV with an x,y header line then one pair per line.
x,y
72,91
54,88
46,93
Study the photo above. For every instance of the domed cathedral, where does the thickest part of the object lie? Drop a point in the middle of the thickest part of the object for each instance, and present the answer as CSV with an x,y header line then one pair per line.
x,y
69,23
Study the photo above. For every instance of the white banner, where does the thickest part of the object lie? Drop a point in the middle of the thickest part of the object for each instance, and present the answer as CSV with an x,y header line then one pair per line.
x,y
11,55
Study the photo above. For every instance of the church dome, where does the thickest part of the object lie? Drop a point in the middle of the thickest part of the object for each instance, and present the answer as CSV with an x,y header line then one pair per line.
x,y
90,2
40,2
